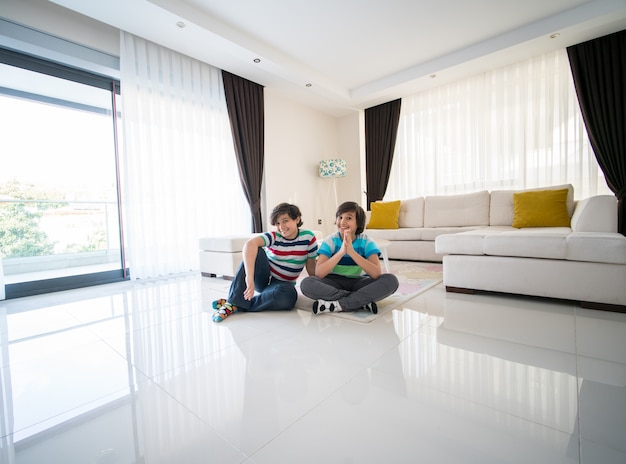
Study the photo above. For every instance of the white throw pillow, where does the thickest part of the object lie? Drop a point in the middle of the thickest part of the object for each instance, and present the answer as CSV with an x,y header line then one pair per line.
x,y
468,209
411,213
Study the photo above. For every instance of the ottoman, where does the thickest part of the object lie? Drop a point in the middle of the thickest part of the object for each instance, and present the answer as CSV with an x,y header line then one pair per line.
x,y
221,255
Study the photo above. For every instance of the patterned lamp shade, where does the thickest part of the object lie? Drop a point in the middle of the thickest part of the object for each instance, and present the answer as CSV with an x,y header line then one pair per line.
x,y
333,168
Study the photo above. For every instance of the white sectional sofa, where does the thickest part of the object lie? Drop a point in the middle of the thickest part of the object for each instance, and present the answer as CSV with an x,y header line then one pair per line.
x,y
473,235
421,220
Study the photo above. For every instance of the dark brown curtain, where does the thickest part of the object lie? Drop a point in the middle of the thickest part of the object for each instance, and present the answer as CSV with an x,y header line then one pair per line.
x,y
381,130
599,71
244,100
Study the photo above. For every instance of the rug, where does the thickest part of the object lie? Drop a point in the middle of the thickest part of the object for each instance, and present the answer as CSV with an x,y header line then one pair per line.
x,y
414,277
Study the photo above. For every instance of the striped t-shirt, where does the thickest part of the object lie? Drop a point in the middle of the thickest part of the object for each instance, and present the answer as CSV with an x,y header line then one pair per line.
x,y
346,266
287,258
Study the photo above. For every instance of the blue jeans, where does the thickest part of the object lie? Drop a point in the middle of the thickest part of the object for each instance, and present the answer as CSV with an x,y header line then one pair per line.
x,y
271,293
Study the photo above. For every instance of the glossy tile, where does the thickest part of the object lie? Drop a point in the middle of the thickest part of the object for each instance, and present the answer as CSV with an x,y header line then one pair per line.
x,y
253,391
140,424
602,370
532,393
47,387
377,417
138,372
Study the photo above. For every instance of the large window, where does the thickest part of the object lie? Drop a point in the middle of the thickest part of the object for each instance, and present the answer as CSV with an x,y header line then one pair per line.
x,y
510,128
59,215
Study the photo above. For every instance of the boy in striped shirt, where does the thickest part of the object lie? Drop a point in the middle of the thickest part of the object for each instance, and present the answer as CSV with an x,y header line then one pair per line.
x,y
272,262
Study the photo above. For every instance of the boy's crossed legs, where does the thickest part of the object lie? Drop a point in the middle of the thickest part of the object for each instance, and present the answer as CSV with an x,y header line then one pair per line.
x,y
338,293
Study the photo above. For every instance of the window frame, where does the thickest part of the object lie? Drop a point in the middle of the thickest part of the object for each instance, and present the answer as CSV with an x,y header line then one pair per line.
x,y
43,66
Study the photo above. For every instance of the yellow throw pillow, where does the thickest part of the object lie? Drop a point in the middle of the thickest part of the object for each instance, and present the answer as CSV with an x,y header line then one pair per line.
x,y
384,215
540,208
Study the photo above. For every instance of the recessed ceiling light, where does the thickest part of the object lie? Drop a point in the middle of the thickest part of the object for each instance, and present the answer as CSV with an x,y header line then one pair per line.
x,y
555,35
181,24
257,60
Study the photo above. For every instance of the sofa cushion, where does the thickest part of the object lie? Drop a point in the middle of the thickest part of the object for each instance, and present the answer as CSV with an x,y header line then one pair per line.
x,y
403,233
501,208
596,247
431,233
470,242
411,213
425,234
384,215
538,242
541,208
470,209
596,214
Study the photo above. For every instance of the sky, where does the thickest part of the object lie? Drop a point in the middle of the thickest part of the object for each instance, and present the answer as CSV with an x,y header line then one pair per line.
x,y
54,146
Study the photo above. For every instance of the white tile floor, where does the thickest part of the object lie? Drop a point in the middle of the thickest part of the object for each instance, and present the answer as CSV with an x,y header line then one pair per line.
x,y
138,373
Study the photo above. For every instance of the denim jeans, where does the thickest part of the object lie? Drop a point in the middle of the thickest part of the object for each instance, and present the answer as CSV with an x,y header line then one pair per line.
x,y
270,293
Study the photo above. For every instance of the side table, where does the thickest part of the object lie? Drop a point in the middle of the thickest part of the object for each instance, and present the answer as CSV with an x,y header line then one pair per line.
x,y
382,246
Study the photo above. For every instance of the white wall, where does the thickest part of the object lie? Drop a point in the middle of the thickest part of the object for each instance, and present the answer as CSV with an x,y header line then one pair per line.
x,y
296,139
352,149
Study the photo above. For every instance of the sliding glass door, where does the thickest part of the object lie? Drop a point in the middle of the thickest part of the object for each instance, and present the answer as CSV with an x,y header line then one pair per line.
x,y
60,223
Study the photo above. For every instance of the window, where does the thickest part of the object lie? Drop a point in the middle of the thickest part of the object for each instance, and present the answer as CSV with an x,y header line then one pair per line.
x,y
59,209
510,128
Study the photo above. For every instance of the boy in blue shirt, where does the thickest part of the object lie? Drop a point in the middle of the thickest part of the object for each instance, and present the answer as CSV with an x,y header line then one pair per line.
x,y
347,273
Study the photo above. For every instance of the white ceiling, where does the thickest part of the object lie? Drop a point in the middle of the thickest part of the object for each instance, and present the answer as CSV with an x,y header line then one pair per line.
x,y
358,53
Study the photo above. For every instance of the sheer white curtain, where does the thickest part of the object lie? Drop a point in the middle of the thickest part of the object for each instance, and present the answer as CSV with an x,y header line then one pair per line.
x,y
510,128
179,173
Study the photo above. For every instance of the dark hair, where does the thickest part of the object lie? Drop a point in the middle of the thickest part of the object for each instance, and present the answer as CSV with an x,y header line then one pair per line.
x,y
351,206
285,208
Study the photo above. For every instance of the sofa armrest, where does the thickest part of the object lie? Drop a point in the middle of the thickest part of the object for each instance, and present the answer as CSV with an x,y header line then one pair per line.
x,y
595,214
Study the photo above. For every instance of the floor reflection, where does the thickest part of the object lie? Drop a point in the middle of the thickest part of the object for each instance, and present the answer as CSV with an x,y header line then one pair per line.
x,y
138,373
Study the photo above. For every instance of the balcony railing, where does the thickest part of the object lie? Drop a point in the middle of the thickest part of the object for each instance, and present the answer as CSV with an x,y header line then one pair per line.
x,y
53,238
